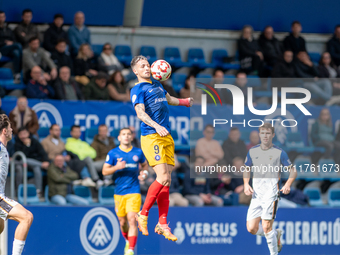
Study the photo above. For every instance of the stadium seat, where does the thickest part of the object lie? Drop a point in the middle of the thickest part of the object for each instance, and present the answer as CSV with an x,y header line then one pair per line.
x,y
173,56
43,132
254,81
334,197
196,58
178,142
65,133
124,54
217,59
303,167
194,136
97,49
83,192
7,81
149,52
229,79
206,77
245,135
90,133
105,195
314,57
221,135
327,169
5,59
178,81
32,196
314,195
183,159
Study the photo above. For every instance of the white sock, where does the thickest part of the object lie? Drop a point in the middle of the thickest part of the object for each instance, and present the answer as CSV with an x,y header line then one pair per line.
x,y
260,231
272,242
18,246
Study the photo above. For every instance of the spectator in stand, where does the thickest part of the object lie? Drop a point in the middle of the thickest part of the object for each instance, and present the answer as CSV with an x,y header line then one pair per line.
x,y
23,116
135,141
102,143
118,88
78,33
108,62
36,158
53,146
304,68
197,189
322,135
66,88
97,89
26,30
333,46
38,87
241,82
59,180
55,33
9,48
294,42
208,148
34,55
189,89
270,46
285,67
251,57
60,57
225,95
234,147
84,151
84,63
254,139
175,197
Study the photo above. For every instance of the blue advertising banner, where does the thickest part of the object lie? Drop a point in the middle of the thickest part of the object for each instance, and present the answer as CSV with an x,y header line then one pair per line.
x,y
204,230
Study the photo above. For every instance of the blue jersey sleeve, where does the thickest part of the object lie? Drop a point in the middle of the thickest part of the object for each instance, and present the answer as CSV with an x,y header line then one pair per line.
x,y
137,96
248,161
285,161
142,158
110,159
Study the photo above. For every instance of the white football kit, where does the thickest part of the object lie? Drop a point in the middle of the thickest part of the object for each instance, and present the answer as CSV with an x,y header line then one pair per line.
x,y
266,167
6,204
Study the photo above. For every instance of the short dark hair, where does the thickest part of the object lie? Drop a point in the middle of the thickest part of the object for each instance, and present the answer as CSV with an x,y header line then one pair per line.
x,y
1,12
126,128
234,129
208,126
102,75
33,39
74,126
239,72
58,15
337,26
296,22
267,125
135,60
61,40
55,124
4,122
22,129
26,11
216,70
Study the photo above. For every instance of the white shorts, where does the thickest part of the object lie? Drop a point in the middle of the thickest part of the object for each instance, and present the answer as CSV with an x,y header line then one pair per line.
x,y
6,205
262,208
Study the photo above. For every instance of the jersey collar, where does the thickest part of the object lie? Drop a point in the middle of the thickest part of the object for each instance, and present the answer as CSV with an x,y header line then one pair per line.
x,y
125,150
143,82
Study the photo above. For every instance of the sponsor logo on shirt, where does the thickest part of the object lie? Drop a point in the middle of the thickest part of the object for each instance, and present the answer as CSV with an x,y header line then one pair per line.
x,y
159,100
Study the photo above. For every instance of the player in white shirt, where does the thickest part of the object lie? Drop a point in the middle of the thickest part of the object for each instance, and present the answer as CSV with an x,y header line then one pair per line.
x,y
10,209
266,161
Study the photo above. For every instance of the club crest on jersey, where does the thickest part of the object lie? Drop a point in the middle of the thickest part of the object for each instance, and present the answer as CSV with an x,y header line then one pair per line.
x,y
157,157
135,158
270,157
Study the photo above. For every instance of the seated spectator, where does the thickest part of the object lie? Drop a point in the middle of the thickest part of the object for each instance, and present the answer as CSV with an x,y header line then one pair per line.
x,y
53,146
97,89
36,158
225,95
102,143
9,48
118,88
66,88
84,151
189,89
84,63
59,180
254,139
34,55
55,33
251,57
38,87
60,57
26,30
234,147
294,42
175,197
197,189
78,33
208,148
135,141
241,82
108,62
270,46
322,135
284,68
23,116
304,68
333,46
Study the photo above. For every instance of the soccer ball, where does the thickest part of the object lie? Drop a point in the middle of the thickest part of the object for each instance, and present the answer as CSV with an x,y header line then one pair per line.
x,y
160,70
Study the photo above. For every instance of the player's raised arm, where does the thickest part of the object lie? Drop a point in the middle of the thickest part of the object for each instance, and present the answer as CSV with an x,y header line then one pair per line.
x,y
179,101
292,176
143,116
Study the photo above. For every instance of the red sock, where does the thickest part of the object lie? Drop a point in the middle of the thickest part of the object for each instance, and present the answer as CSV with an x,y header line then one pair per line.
x,y
163,204
125,234
153,192
132,242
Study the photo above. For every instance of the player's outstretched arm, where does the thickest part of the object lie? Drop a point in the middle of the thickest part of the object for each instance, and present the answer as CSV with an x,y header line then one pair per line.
x,y
179,101
143,116
292,176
